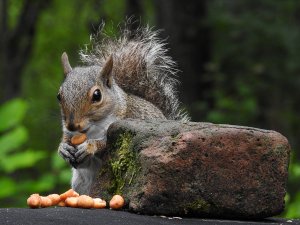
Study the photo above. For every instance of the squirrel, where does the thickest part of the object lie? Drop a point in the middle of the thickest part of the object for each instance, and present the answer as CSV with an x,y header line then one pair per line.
x,y
130,76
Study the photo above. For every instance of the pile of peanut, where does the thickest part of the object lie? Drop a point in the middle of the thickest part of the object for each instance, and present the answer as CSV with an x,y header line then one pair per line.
x,y
72,199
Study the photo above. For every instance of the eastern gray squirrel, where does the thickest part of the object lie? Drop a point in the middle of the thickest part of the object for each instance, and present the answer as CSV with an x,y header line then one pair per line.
x,y
130,76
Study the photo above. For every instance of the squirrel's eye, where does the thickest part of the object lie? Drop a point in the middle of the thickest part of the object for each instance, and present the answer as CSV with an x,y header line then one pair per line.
x,y
58,97
96,96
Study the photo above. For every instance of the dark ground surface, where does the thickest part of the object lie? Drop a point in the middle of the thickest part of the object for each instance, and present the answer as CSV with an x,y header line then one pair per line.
x,y
74,216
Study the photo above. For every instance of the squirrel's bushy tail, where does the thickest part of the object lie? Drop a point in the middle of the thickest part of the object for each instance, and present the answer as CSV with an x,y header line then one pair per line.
x,y
141,66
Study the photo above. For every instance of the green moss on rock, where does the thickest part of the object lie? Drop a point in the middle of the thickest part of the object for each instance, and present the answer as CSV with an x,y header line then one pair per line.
x,y
124,164
199,205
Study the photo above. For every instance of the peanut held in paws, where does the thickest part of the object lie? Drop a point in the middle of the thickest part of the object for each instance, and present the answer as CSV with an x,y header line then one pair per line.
x,y
78,139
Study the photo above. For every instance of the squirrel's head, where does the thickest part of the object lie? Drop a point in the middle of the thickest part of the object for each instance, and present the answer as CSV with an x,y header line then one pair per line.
x,y
86,95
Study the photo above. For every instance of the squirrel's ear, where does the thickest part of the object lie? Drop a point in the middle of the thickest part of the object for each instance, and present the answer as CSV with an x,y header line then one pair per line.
x,y
106,72
65,64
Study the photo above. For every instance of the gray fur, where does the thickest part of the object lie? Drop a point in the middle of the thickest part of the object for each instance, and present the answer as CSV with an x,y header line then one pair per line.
x,y
141,66
84,176
77,82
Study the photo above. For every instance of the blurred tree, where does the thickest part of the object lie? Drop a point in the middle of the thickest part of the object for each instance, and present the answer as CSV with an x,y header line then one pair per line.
x,y
190,43
134,8
16,43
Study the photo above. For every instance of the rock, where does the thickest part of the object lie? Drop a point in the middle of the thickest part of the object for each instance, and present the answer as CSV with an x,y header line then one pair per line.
x,y
195,169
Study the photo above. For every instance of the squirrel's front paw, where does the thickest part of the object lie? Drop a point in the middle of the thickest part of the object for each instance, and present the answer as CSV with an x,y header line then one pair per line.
x,y
81,153
89,148
85,149
67,152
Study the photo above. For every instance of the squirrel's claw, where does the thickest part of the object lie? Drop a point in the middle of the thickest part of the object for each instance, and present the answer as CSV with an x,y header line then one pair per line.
x,y
87,148
66,152
81,152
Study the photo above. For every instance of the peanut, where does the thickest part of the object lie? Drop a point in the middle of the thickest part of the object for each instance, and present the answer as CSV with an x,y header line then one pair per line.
x,y
99,203
71,198
117,202
34,201
62,204
45,202
78,139
69,193
85,201
55,198
72,202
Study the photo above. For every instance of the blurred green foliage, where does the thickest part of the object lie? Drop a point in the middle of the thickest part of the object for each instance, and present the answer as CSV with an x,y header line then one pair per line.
x,y
17,179
254,69
293,203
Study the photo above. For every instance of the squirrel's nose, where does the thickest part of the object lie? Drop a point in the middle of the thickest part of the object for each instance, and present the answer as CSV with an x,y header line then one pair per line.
x,y
73,127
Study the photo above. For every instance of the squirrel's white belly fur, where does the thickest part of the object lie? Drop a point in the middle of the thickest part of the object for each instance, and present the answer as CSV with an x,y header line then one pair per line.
x,y
84,176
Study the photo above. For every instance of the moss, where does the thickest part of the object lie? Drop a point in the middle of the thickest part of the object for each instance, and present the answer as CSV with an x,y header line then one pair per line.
x,y
199,205
102,171
124,164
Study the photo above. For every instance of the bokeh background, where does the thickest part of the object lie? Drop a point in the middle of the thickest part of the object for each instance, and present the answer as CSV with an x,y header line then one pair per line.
x,y
239,63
